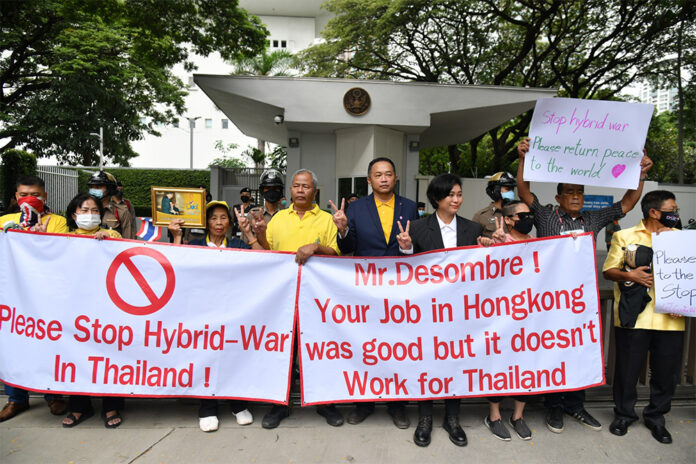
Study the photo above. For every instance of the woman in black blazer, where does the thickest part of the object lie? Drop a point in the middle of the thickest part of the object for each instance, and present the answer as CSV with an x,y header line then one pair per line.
x,y
444,229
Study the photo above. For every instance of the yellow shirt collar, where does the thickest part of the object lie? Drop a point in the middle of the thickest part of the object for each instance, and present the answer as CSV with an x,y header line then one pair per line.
x,y
314,210
390,203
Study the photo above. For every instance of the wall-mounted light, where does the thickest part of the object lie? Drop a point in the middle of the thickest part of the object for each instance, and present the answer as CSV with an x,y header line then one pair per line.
x,y
414,145
293,142
278,119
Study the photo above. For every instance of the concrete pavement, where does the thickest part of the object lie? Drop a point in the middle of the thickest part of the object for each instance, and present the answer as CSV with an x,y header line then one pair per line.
x,y
166,431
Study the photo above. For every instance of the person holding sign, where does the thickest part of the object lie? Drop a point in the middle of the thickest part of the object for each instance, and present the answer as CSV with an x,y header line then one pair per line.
x,y
444,229
34,216
306,230
368,228
638,329
568,218
85,214
218,223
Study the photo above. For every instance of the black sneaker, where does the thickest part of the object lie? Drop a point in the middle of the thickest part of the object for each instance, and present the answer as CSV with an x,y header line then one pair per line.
x,y
554,420
521,429
586,419
333,416
497,428
273,417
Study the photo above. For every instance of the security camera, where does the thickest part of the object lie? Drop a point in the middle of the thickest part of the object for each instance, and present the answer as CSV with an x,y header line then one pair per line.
x,y
278,119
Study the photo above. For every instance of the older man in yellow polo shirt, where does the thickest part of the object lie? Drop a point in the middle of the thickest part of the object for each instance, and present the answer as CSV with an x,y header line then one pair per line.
x,y
306,230
638,328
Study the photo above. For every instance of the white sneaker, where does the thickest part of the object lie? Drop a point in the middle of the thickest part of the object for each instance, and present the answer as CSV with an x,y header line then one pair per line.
x,y
244,417
208,424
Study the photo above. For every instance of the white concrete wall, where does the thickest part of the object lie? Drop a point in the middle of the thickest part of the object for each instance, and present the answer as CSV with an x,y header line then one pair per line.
x,y
318,154
298,32
354,151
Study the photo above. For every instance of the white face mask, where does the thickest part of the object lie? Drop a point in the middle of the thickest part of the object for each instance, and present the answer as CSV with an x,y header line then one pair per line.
x,y
87,221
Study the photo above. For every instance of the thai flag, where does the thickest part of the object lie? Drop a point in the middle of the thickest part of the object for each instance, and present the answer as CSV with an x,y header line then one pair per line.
x,y
149,232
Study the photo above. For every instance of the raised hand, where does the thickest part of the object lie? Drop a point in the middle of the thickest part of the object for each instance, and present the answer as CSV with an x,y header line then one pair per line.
x,y
102,234
484,241
404,237
645,164
41,226
259,223
523,148
499,235
242,220
339,216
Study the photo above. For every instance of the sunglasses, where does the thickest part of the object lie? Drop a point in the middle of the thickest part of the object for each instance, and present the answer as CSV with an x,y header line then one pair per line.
x,y
523,216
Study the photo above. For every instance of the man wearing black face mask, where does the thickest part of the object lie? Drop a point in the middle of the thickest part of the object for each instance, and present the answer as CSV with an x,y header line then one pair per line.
x,y
245,196
129,228
272,189
662,335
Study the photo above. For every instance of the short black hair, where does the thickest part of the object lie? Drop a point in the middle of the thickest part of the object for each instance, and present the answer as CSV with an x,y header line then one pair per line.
x,y
378,160
654,200
510,207
30,180
420,204
75,203
353,195
559,188
441,186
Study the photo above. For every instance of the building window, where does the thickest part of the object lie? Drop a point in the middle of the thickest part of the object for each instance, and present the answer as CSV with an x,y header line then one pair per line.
x,y
283,44
208,123
275,44
225,123
348,185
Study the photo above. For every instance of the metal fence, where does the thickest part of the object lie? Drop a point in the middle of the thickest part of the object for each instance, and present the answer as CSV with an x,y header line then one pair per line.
x,y
61,186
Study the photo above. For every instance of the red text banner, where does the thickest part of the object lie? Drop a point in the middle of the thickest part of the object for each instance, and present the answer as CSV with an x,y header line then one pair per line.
x,y
518,318
123,318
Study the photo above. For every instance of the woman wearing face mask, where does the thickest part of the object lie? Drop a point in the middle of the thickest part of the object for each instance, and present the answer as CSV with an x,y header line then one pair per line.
x,y
84,216
444,229
218,223
519,221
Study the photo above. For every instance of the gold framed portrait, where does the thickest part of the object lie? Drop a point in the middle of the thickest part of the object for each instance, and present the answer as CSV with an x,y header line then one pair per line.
x,y
178,203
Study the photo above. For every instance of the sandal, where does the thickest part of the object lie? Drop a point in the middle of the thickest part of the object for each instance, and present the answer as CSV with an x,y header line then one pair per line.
x,y
107,419
76,420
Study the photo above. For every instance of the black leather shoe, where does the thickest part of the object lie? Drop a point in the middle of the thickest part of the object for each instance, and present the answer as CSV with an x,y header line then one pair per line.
x,y
359,414
456,434
333,416
273,417
619,427
400,418
660,433
421,436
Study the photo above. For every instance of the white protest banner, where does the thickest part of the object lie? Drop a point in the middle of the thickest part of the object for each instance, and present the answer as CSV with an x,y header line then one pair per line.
x,y
512,318
587,142
120,317
674,267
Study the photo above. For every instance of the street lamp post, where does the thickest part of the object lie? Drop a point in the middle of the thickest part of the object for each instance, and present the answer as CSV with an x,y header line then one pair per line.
x,y
192,124
101,146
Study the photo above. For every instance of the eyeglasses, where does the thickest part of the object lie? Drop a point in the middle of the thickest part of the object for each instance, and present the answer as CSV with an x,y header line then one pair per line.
x,y
523,216
675,210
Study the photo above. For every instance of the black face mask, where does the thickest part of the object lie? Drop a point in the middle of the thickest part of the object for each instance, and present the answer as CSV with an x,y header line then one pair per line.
x,y
272,196
524,224
670,219
245,199
119,194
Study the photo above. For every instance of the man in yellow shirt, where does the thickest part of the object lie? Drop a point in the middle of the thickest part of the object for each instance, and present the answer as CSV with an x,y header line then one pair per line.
x,y
34,216
639,331
306,230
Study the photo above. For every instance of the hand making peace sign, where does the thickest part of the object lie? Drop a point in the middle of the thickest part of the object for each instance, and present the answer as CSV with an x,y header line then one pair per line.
x,y
242,220
404,238
339,216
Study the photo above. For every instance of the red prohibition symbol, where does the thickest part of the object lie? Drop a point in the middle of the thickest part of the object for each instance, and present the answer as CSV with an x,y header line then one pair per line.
x,y
125,258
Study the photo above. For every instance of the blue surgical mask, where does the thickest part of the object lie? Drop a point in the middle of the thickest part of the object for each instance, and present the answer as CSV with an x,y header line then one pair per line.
x,y
96,193
284,203
509,195
421,213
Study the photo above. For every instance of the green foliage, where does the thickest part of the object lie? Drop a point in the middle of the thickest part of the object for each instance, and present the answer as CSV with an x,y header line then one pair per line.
x,y
227,160
278,158
15,164
256,156
662,147
585,48
69,67
137,182
275,63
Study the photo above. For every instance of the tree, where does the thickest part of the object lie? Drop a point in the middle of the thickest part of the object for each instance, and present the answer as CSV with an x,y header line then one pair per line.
x,y
663,147
227,160
275,63
256,156
68,67
585,48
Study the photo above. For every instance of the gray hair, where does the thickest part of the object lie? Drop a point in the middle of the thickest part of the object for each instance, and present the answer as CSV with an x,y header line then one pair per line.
x,y
315,181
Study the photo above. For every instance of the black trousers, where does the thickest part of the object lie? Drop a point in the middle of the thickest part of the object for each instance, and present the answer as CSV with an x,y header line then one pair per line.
x,y
570,401
83,404
665,348
498,399
425,407
209,407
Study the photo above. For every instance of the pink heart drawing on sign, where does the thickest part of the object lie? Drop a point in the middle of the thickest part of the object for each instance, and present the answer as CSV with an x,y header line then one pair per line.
x,y
618,169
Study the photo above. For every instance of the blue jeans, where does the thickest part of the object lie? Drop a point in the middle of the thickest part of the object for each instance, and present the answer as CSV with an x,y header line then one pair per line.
x,y
17,395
